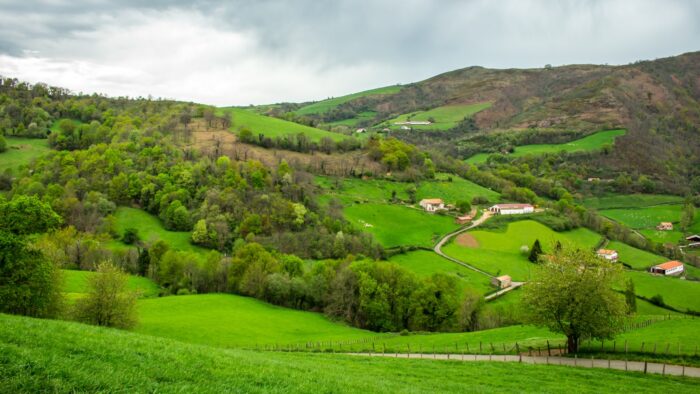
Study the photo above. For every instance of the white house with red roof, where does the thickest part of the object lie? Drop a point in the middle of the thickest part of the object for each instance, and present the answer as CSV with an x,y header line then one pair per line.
x,y
668,268
512,209
607,254
432,204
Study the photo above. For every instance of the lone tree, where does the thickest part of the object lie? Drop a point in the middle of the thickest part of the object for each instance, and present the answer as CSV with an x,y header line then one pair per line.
x,y
535,252
573,294
630,297
109,302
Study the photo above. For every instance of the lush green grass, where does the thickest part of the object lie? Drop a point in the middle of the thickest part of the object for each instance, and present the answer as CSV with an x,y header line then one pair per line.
x,y
75,283
397,225
53,356
646,217
450,188
445,117
362,116
499,252
232,321
630,201
589,143
150,228
425,264
636,258
273,127
326,105
21,151
678,293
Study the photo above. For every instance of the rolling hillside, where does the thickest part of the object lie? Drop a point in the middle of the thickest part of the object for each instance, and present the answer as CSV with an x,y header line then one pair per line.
x,y
331,103
273,127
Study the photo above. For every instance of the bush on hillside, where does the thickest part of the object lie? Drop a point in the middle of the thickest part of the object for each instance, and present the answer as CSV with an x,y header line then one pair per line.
x,y
109,302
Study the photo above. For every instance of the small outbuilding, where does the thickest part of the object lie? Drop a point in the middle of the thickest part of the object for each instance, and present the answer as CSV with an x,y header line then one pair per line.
x,y
512,209
668,268
463,219
432,204
665,226
502,282
693,240
607,254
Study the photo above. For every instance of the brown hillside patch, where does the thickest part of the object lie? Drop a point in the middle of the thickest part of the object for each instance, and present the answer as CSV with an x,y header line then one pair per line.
x,y
467,240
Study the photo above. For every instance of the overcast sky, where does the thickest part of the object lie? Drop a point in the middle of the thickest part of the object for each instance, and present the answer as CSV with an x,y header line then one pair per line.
x,y
257,51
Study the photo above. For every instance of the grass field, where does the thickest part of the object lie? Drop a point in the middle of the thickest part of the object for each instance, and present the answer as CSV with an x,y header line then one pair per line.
x,y
638,259
273,127
646,217
630,201
228,320
397,225
75,283
21,151
53,356
380,191
362,116
678,293
328,104
592,142
150,229
425,264
445,117
498,253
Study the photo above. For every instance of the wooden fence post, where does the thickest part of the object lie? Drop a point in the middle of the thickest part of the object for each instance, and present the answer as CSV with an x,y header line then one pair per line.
x,y
645,367
549,351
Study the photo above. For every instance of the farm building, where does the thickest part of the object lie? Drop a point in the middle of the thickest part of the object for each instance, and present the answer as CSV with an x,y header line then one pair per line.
x,y
607,254
512,209
432,204
668,268
501,282
361,130
413,123
463,219
665,226
405,127
694,241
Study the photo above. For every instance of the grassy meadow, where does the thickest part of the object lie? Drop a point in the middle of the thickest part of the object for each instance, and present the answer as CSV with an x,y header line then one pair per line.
x,y
150,228
645,217
426,263
636,258
498,252
630,201
445,117
53,356
273,127
328,104
678,293
21,151
397,225
227,320
589,143
75,284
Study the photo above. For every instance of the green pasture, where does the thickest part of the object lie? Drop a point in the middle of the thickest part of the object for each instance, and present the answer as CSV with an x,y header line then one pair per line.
x,y
21,151
352,122
646,217
328,104
56,356
426,263
678,293
589,143
445,117
630,201
227,320
636,258
397,225
75,283
273,127
499,253
150,229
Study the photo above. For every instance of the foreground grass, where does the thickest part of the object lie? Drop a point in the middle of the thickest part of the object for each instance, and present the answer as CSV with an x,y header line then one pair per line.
x,y
21,151
228,320
150,228
498,252
273,127
589,143
51,356
397,225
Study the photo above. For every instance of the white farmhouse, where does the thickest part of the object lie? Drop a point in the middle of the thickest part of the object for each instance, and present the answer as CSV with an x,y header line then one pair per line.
x,y
668,268
512,209
607,254
432,204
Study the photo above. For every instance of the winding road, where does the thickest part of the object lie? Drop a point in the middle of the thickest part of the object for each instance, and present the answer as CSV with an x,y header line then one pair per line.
x,y
438,249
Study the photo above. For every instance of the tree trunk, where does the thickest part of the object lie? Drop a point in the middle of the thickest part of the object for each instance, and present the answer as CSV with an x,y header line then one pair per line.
x,y
572,344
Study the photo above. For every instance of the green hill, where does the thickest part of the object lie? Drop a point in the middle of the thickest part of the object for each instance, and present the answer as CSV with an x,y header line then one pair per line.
x,y
52,356
443,118
273,127
326,105
150,228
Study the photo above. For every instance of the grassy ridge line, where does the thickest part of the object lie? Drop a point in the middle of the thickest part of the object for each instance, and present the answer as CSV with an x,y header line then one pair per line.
x,y
590,143
326,105
273,127
42,355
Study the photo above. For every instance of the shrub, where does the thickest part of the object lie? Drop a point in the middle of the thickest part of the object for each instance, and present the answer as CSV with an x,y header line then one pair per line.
x,y
131,236
109,302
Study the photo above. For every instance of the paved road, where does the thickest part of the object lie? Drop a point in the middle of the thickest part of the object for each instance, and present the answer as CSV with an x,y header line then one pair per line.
x,y
635,366
443,241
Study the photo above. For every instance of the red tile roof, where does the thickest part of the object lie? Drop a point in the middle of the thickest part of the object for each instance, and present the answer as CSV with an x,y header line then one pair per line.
x,y
431,201
669,265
